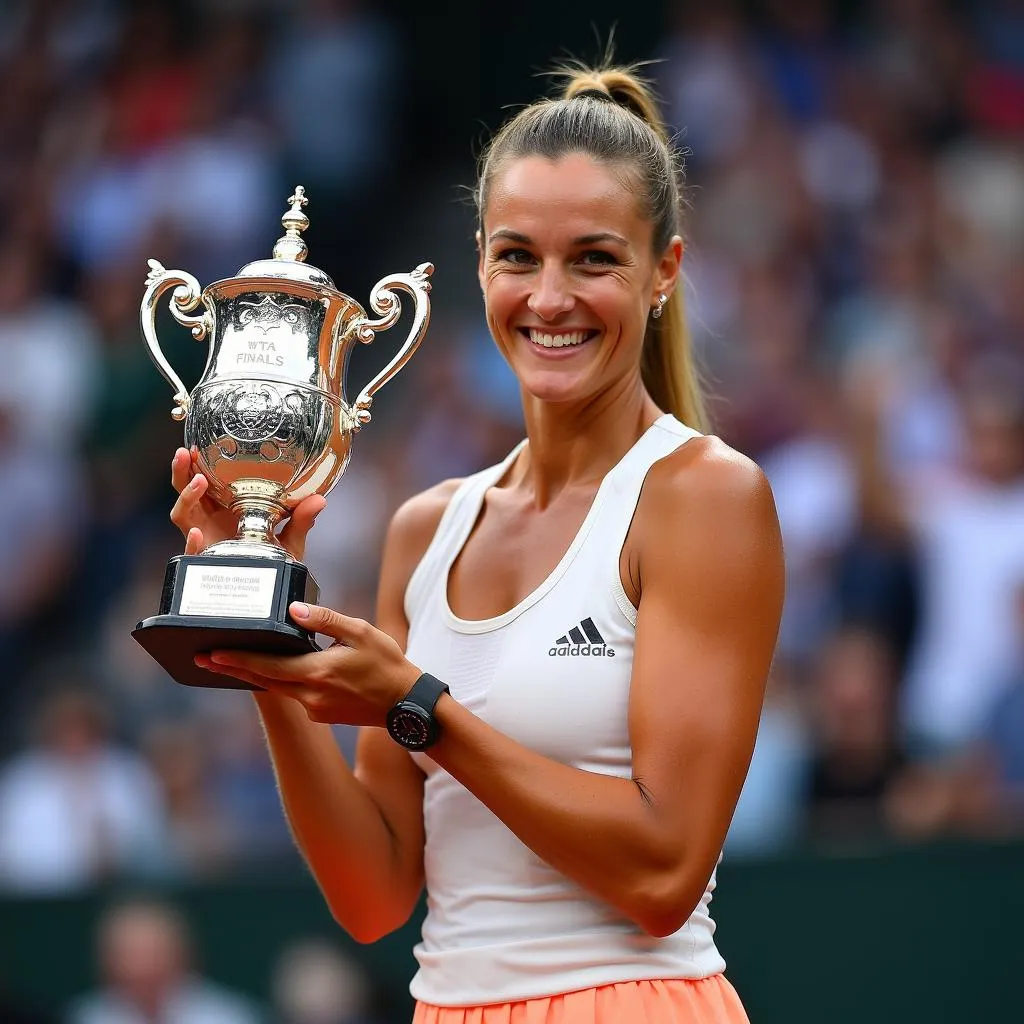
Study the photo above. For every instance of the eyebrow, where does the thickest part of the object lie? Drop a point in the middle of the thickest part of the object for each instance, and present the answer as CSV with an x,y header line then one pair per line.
x,y
600,236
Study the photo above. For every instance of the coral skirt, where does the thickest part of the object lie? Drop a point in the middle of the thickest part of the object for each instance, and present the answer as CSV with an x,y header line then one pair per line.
x,y
707,1001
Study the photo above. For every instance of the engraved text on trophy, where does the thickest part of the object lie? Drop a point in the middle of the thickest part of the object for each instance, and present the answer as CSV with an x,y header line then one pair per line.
x,y
268,333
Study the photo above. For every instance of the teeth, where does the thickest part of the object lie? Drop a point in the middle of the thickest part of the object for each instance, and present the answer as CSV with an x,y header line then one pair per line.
x,y
557,340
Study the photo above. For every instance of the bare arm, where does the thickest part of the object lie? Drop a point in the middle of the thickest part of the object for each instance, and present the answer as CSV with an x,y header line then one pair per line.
x,y
712,586
360,832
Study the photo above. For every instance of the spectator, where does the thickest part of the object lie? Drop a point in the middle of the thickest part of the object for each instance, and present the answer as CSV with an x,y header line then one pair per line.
x,y
965,525
147,974
858,756
75,809
201,842
313,982
49,352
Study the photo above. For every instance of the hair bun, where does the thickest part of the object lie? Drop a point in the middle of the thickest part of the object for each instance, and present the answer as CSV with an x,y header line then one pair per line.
x,y
620,85
593,93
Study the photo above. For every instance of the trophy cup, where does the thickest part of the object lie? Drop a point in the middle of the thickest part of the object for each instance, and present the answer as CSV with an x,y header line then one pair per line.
x,y
268,425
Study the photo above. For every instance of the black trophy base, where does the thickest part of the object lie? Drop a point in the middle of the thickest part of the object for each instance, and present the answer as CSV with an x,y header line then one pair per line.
x,y
215,602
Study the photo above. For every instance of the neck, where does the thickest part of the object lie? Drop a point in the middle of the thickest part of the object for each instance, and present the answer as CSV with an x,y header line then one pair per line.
x,y
574,444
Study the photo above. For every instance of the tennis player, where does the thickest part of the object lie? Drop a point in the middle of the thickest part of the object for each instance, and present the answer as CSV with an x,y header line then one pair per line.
x,y
561,695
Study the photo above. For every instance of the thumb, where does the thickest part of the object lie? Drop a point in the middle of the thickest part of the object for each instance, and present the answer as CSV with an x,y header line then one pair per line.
x,y
318,619
302,517
306,511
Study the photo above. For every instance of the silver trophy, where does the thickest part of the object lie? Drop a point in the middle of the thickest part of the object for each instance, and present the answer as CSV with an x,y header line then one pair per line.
x,y
268,424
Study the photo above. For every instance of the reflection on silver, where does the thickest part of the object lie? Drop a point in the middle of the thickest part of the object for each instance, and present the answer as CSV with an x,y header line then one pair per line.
x,y
268,423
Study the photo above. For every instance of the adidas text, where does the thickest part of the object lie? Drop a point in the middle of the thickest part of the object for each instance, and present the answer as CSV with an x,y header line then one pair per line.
x,y
583,651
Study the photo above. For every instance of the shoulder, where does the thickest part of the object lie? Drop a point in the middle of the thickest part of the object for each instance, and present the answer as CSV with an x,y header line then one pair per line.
x,y
28,770
705,478
205,1002
708,537
708,510
416,520
412,528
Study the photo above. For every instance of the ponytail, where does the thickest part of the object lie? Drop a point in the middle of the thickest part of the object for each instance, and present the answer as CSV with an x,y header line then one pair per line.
x,y
668,365
610,114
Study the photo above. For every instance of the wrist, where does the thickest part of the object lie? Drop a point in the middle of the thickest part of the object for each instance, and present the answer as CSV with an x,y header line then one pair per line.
x,y
412,721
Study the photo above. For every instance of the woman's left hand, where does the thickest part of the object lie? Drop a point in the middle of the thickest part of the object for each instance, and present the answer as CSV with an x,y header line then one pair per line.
x,y
355,681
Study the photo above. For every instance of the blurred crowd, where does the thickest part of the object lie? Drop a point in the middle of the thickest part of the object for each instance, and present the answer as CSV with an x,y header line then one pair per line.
x,y
149,968
855,277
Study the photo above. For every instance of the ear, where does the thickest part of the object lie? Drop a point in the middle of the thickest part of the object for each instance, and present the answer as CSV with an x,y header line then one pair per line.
x,y
479,258
666,270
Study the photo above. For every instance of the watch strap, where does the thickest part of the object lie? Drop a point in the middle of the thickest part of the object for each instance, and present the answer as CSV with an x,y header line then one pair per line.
x,y
426,692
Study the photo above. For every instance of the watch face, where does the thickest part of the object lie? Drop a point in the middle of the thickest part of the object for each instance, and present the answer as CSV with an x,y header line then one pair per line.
x,y
409,728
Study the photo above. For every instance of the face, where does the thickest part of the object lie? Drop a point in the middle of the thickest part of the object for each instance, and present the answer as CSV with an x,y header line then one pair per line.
x,y
143,953
569,275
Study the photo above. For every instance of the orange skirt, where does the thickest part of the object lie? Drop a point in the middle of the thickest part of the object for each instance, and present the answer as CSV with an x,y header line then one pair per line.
x,y
707,1001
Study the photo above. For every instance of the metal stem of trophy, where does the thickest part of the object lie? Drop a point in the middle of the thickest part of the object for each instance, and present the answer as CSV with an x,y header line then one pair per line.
x,y
255,535
268,425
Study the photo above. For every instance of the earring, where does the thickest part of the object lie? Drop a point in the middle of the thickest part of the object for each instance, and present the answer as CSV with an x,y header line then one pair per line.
x,y
657,310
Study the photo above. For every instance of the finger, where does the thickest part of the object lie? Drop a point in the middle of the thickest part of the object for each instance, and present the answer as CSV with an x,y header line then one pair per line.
x,y
188,501
194,542
181,469
302,518
292,668
317,619
203,661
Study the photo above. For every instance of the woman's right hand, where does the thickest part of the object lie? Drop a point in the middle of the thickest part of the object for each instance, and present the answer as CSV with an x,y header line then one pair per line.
x,y
204,521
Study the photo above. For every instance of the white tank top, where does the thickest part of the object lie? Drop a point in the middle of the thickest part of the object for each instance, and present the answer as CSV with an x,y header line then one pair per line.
x,y
553,673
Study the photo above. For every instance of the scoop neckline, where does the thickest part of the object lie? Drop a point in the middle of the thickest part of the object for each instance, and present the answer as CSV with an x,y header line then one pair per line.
x,y
461,625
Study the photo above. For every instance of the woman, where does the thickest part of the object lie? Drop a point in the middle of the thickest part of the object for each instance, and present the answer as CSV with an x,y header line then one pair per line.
x,y
597,615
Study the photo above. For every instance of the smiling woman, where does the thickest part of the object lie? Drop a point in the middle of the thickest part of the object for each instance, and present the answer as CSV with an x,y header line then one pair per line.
x,y
561,695
567,298
641,174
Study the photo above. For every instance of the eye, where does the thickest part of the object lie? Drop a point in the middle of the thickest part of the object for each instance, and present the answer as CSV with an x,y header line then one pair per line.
x,y
597,258
518,257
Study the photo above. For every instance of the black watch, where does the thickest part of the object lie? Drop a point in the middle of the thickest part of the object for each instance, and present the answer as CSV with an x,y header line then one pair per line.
x,y
411,721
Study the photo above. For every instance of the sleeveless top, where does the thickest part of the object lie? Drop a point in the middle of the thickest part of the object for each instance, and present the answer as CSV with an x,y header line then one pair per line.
x,y
553,674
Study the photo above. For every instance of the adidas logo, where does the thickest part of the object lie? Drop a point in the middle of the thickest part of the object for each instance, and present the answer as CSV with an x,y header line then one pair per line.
x,y
584,641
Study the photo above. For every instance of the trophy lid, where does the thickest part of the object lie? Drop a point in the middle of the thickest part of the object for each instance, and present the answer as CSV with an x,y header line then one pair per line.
x,y
289,260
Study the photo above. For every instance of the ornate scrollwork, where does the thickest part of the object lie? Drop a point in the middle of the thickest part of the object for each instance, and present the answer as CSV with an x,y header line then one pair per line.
x,y
267,314
385,301
251,412
239,418
156,271
186,296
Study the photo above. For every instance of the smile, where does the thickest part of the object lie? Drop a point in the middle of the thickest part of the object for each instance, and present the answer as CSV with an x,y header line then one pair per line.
x,y
564,339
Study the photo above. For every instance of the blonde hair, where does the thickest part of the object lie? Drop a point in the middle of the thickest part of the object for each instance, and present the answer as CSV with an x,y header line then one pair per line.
x,y
610,114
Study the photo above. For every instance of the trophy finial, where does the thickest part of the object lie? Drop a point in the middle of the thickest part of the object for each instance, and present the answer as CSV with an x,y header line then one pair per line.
x,y
290,245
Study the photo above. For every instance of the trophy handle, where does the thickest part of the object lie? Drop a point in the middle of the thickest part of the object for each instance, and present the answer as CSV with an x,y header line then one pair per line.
x,y
187,295
386,302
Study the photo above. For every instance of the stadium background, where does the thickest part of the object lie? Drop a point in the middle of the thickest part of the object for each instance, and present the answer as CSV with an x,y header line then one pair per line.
x,y
856,277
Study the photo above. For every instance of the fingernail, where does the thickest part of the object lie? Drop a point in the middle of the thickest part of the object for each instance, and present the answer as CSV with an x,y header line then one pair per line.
x,y
194,483
220,659
299,610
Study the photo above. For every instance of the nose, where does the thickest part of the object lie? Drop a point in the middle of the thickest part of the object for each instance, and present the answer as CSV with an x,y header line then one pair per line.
x,y
552,295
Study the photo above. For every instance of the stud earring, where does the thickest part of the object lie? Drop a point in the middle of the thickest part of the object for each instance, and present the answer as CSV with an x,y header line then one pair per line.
x,y
657,310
